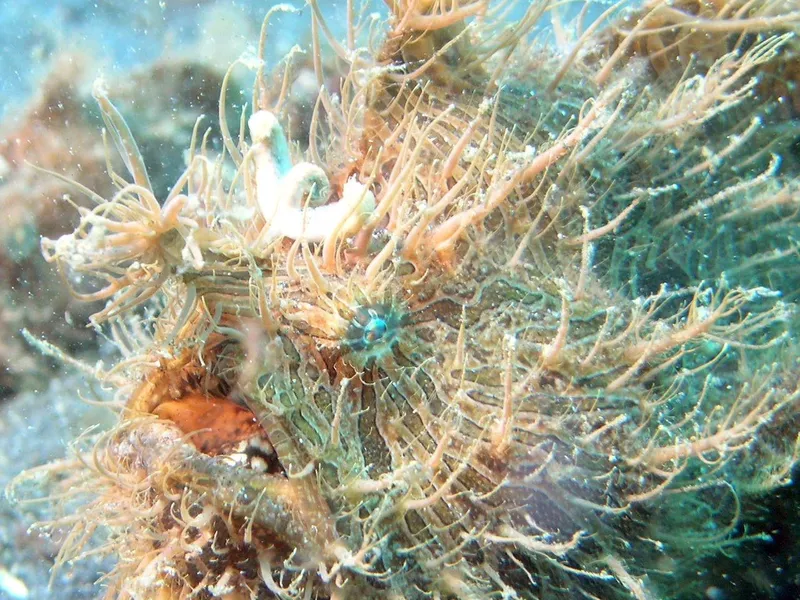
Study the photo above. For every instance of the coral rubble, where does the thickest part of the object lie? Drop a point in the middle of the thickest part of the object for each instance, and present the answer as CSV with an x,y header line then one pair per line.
x,y
516,324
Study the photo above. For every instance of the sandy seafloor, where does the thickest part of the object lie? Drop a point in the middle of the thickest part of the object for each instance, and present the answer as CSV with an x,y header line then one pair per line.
x,y
115,37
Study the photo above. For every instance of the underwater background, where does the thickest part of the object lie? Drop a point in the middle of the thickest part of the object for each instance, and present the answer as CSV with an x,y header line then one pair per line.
x,y
163,64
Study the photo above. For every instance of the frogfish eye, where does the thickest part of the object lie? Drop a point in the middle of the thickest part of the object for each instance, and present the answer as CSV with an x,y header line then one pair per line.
x,y
372,327
375,329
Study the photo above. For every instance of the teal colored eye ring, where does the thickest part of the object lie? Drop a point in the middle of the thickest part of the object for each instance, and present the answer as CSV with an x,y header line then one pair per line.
x,y
373,328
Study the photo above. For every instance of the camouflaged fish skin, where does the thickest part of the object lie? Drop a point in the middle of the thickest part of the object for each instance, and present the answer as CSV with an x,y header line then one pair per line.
x,y
430,356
